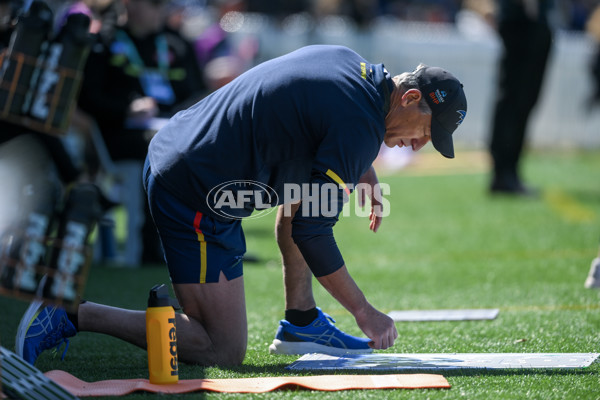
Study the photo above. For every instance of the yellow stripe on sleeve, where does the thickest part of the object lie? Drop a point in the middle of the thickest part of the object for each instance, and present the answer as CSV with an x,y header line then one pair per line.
x,y
338,180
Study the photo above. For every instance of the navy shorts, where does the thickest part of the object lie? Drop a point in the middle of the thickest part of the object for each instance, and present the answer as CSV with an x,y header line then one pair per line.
x,y
197,247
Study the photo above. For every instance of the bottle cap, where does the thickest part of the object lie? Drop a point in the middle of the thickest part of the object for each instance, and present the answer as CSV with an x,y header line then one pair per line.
x,y
159,297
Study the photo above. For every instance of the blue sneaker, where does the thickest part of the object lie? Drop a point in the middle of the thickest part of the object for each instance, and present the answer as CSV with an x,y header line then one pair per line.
x,y
321,336
42,328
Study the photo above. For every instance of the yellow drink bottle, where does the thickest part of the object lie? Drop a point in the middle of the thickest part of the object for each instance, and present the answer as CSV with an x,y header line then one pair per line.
x,y
161,336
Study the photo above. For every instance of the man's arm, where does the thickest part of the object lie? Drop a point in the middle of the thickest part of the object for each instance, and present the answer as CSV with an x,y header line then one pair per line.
x,y
379,327
313,235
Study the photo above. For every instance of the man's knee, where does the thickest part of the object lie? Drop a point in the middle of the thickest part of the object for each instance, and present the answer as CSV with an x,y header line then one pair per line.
x,y
216,356
283,223
231,357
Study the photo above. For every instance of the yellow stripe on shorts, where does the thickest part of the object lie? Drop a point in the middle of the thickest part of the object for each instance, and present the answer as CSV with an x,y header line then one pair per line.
x,y
203,263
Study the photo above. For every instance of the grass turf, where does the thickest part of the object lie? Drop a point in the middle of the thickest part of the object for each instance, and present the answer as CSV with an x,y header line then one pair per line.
x,y
445,244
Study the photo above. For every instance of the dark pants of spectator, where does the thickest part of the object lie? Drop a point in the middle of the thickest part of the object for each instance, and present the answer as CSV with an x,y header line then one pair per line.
x,y
522,67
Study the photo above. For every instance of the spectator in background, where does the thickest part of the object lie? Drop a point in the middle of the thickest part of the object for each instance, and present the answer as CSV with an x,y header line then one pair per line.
x,y
527,37
477,19
221,59
144,74
278,9
593,279
593,28
105,16
423,10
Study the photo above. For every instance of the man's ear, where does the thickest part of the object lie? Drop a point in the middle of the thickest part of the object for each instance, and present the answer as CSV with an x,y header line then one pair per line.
x,y
411,96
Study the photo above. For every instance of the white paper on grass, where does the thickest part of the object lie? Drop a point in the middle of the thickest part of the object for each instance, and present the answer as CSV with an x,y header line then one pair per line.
x,y
444,315
433,361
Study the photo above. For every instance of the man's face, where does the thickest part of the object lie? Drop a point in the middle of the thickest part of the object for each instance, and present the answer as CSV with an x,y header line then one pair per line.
x,y
405,124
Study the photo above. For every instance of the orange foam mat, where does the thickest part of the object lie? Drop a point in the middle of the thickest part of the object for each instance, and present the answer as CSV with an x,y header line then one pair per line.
x,y
120,387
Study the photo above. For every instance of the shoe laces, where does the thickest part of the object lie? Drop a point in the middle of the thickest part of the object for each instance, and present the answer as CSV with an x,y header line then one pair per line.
x,y
330,318
55,338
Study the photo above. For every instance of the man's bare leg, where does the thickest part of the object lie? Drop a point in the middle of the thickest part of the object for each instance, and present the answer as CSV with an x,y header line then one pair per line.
x,y
300,304
297,277
213,329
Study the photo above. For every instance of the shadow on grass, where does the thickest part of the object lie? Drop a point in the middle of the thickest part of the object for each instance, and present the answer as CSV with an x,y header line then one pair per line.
x,y
260,370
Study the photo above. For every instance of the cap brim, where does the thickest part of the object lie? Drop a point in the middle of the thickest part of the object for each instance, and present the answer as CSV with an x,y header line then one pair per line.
x,y
441,139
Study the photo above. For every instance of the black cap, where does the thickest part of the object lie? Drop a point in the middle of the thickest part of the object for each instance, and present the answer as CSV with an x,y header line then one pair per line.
x,y
446,98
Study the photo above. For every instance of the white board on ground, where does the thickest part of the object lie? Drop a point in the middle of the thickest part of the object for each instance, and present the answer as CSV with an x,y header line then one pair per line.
x,y
432,361
444,315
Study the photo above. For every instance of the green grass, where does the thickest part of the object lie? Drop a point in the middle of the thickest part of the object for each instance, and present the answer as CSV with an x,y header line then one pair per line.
x,y
445,244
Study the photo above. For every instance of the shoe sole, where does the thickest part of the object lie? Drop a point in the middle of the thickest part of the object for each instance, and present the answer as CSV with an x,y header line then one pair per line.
x,y
30,314
299,348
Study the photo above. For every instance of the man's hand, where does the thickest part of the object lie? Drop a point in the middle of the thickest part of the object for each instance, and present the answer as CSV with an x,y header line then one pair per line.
x,y
376,215
379,327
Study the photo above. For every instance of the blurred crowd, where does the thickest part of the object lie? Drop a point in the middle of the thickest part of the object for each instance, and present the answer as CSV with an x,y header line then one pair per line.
x,y
574,12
